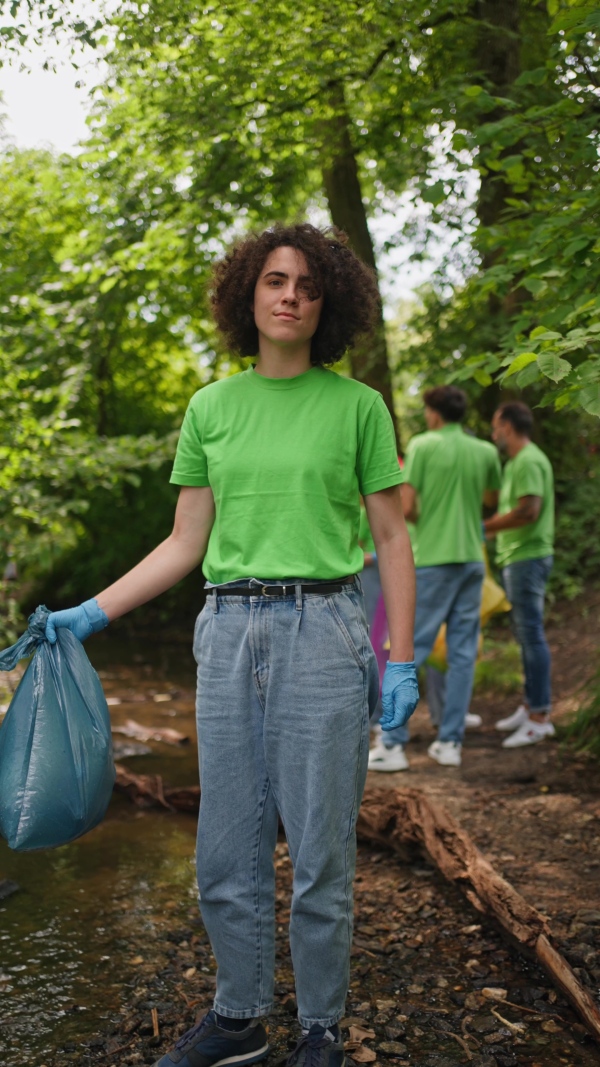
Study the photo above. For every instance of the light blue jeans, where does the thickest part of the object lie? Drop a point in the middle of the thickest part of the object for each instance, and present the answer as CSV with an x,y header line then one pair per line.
x,y
450,593
525,585
285,688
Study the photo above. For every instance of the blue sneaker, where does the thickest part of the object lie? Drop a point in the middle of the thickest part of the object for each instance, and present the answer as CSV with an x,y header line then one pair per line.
x,y
318,1048
209,1045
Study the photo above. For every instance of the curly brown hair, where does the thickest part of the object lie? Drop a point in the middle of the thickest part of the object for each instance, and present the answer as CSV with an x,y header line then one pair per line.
x,y
350,295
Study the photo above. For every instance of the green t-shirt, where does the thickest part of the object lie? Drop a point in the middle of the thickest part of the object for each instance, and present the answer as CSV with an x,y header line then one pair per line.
x,y
286,459
450,470
528,474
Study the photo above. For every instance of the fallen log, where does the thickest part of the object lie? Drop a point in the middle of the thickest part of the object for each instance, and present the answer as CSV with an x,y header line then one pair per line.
x,y
397,818
400,817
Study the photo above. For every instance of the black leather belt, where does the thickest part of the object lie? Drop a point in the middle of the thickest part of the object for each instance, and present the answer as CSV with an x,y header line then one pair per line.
x,y
321,589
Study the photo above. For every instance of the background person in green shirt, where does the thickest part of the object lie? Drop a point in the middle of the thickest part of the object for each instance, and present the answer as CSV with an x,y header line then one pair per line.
x,y
448,475
524,527
271,462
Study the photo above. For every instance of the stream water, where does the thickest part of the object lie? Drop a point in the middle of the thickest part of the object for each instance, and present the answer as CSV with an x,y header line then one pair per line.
x,y
85,916
82,935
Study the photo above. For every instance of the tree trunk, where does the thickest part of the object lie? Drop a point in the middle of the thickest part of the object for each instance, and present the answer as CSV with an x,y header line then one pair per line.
x,y
498,56
368,361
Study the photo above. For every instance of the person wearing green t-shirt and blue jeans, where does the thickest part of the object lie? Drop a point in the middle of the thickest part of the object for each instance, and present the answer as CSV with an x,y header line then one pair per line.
x,y
524,527
271,463
448,475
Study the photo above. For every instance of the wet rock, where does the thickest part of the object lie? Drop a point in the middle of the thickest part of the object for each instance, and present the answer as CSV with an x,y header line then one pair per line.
x,y
394,1032
494,993
496,1037
581,955
504,1058
381,1018
484,1024
458,999
393,1048
7,888
591,917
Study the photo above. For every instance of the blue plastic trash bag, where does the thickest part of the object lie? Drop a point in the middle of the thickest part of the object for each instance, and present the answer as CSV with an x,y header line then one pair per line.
x,y
56,765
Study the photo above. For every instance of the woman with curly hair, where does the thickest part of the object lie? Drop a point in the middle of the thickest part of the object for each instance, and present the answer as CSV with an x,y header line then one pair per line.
x,y
271,462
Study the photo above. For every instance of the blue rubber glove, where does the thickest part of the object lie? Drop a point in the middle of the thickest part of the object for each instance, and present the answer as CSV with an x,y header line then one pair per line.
x,y
82,621
399,694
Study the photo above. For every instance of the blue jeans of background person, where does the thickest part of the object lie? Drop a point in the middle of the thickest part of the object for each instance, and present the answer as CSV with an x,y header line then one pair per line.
x,y
371,587
450,593
525,585
285,688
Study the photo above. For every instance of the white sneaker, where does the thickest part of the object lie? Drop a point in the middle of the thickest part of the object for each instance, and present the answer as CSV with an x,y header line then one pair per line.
x,y
529,734
388,759
512,722
448,753
472,721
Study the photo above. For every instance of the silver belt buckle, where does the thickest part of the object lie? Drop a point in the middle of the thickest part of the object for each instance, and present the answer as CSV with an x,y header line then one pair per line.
x,y
265,587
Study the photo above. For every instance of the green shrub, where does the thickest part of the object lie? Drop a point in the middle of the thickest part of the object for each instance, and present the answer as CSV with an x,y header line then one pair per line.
x,y
499,668
582,734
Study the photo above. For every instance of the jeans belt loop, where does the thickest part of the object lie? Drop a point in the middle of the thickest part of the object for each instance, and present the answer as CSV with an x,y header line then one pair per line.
x,y
298,596
215,601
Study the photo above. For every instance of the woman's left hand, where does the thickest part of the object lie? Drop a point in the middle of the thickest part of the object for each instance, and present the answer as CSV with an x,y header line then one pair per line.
x,y
399,694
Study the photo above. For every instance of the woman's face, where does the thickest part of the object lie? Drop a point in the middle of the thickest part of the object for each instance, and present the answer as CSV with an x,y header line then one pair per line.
x,y
287,302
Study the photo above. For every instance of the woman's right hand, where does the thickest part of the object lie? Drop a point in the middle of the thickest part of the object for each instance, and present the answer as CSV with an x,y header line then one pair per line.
x,y
88,618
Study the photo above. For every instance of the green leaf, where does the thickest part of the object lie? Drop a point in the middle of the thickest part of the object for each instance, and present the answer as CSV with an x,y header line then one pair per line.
x,y
473,90
108,284
535,285
576,246
553,366
589,398
433,194
508,162
532,77
564,400
482,378
528,375
520,362
568,20
589,371
542,334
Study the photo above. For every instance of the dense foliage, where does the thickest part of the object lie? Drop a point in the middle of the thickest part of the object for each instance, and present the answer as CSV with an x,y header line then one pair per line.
x,y
471,127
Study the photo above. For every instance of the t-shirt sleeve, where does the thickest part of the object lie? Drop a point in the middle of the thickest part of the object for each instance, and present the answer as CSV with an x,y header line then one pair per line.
x,y
190,467
414,465
528,479
377,462
494,478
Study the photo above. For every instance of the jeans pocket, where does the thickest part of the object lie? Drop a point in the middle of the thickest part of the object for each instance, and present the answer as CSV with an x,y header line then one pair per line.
x,y
348,623
197,631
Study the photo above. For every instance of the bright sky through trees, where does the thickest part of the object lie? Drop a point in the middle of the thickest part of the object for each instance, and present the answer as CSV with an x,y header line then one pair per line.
x,y
48,109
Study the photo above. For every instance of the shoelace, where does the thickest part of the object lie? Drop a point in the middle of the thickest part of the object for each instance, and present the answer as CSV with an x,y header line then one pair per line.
x,y
191,1035
313,1044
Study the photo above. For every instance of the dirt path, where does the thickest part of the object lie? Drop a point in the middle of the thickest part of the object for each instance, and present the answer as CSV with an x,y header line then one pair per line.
x,y
534,811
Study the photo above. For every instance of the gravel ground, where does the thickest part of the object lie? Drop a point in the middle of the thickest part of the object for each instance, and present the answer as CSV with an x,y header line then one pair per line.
x,y
430,985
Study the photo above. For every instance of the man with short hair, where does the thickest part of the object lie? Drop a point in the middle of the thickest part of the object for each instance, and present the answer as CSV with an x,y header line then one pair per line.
x,y
524,526
448,475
